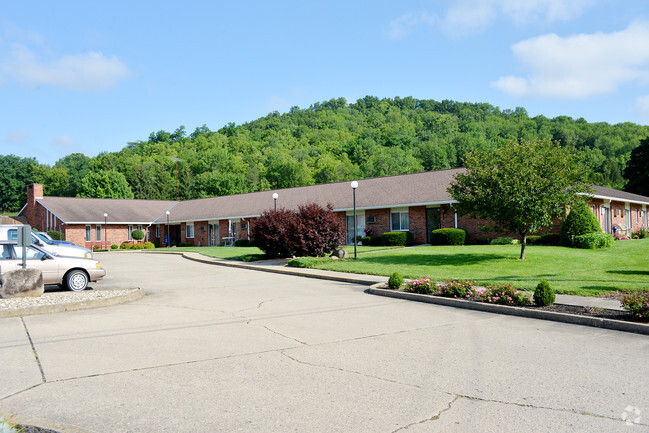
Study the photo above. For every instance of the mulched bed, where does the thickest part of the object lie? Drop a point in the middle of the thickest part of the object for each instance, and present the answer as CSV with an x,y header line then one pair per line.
x,y
601,313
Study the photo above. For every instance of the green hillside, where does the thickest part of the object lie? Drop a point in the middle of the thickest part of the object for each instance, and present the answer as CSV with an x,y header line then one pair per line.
x,y
327,142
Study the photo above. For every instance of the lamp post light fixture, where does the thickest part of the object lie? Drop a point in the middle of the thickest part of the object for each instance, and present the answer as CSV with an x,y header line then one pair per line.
x,y
354,186
167,234
275,196
106,231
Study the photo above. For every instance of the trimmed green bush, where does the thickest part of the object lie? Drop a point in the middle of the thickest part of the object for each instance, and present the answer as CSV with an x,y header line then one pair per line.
x,y
138,235
394,238
376,241
580,221
138,247
448,237
57,236
366,240
504,241
594,240
114,247
531,240
543,294
637,304
396,281
551,239
96,247
243,243
482,241
148,245
125,246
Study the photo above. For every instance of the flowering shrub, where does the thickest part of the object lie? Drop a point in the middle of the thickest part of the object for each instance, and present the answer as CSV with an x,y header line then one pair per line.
x,y
458,289
637,304
505,294
423,285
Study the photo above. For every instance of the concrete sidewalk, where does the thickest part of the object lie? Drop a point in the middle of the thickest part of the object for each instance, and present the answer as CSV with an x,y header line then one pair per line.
x,y
279,266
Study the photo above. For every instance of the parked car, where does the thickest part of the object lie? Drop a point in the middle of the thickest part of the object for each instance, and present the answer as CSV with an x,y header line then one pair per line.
x,y
54,241
10,233
71,272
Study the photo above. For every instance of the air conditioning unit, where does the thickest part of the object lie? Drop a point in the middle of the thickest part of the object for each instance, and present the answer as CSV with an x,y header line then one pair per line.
x,y
370,219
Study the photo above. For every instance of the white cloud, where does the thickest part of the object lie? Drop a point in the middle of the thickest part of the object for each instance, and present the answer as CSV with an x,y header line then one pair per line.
x,y
20,136
581,65
406,24
468,16
64,144
642,106
90,71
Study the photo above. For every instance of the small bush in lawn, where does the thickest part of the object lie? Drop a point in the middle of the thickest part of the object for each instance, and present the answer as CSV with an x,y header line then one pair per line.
x,y
114,247
637,304
96,247
543,295
125,246
448,237
394,238
580,221
137,234
505,294
376,241
423,285
395,281
138,247
458,289
505,241
551,239
243,243
366,240
482,241
148,245
531,240
594,240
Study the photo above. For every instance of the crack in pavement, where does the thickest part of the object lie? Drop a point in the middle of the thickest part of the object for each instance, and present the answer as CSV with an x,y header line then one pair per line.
x,y
285,336
433,418
31,342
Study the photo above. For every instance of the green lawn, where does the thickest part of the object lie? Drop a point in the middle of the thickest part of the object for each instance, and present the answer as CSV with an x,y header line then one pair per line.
x,y
232,253
572,271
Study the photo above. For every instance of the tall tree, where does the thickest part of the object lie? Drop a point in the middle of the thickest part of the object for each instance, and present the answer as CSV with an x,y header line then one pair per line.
x,y
105,184
637,171
522,187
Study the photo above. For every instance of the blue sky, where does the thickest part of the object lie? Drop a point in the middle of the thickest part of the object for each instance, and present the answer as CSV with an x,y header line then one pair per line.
x,y
91,77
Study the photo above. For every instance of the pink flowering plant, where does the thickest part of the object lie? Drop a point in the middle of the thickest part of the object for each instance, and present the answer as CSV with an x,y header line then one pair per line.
x,y
423,285
505,294
458,289
637,304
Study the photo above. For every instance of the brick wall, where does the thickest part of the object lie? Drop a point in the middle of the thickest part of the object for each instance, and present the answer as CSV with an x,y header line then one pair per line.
x,y
417,223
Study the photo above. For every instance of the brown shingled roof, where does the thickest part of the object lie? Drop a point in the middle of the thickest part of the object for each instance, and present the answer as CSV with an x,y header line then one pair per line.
x,y
391,191
78,210
603,192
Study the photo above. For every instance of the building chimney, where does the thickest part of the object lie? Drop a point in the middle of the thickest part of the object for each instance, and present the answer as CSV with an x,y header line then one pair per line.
x,y
34,192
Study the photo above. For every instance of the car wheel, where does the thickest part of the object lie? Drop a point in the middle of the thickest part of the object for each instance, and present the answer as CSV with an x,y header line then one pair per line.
x,y
76,280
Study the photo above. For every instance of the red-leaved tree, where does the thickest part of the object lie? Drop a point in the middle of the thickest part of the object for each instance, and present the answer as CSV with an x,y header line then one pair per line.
x,y
310,231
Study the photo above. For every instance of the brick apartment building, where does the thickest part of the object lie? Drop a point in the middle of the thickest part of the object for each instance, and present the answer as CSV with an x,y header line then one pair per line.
x,y
415,202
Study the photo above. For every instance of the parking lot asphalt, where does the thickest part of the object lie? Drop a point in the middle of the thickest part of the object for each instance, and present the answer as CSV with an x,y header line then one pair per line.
x,y
218,349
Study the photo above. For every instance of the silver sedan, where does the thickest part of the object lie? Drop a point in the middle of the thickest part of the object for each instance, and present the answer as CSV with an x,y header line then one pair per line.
x,y
71,272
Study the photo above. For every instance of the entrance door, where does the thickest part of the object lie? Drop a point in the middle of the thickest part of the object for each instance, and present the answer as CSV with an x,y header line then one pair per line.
x,y
433,221
213,235
360,227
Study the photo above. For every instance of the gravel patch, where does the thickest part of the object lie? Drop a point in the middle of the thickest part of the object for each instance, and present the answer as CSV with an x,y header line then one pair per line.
x,y
61,298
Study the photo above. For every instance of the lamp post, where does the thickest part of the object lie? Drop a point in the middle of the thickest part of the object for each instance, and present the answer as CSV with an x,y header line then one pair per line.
x,y
275,195
354,186
105,230
167,234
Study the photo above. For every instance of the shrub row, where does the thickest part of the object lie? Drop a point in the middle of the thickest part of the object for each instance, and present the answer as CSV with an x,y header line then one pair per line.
x,y
448,237
637,304
594,240
244,243
128,246
505,241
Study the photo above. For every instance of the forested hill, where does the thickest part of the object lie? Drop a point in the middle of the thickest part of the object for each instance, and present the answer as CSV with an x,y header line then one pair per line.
x,y
327,142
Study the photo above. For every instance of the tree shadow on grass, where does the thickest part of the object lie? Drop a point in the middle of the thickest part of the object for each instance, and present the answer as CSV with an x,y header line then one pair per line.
x,y
628,272
436,259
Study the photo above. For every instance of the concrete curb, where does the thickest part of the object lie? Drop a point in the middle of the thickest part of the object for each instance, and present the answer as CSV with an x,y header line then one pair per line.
x,y
617,325
73,306
280,271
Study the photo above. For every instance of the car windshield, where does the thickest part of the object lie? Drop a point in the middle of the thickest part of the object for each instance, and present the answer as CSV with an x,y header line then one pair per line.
x,y
43,238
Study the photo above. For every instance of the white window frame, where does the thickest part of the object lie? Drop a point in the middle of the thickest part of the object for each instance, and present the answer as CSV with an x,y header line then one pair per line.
x,y
88,234
401,212
98,233
130,232
189,230
157,230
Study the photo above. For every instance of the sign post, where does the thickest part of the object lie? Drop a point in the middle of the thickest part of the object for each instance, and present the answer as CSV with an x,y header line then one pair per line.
x,y
24,239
